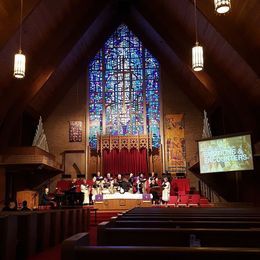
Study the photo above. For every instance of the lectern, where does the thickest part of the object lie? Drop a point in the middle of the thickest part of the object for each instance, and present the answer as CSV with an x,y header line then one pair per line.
x,y
32,198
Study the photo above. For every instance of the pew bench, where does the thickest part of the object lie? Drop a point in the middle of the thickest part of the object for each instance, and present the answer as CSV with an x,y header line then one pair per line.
x,y
184,224
209,237
24,233
77,248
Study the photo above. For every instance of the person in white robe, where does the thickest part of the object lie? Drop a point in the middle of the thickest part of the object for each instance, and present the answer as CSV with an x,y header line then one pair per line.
x,y
85,189
166,188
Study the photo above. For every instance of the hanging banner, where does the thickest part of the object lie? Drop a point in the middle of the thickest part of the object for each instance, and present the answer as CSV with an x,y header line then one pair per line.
x,y
175,143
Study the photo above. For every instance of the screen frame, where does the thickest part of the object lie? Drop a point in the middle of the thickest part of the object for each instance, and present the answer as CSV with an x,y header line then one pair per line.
x,y
227,136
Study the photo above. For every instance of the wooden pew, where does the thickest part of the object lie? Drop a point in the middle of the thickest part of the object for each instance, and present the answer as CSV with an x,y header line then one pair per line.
x,y
69,244
184,224
188,218
200,211
79,221
8,237
26,234
64,224
195,211
43,230
55,225
72,222
77,248
209,237
85,219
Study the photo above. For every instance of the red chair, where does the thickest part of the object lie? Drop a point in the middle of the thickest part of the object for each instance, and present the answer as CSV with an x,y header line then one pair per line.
x,y
173,201
181,192
194,201
183,201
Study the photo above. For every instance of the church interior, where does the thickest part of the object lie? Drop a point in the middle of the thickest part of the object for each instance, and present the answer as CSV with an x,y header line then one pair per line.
x,y
144,111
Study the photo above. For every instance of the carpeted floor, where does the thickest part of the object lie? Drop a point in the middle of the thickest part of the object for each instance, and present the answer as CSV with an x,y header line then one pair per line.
x,y
50,253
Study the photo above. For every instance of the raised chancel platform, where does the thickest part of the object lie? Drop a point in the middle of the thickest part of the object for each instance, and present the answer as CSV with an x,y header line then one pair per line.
x,y
119,201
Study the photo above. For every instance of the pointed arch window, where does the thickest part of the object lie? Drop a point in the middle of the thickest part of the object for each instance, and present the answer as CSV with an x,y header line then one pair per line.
x,y
124,89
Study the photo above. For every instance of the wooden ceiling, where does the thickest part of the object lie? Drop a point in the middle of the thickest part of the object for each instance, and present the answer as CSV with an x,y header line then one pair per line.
x,y
60,37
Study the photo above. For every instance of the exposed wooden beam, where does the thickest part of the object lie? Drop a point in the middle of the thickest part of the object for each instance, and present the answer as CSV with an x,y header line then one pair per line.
x,y
57,49
191,85
10,17
51,49
239,28
75,63
213,78
218,49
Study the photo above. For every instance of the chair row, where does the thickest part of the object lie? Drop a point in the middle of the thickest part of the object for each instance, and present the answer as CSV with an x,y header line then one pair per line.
x,y
186,200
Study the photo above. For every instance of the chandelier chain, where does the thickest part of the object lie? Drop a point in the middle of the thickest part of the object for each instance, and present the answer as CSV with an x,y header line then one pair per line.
x,y
21,22
195,21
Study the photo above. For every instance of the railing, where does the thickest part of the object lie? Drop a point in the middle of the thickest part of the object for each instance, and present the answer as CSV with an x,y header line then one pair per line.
x,y
206,191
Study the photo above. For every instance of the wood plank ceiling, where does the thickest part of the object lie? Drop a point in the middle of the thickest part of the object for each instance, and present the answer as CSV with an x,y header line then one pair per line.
x,y
60,37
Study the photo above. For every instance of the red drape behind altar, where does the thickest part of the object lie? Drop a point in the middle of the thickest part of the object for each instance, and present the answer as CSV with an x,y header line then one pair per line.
x,y
125,161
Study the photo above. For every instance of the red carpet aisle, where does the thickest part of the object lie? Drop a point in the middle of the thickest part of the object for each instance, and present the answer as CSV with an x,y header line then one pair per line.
x,y
51,253
55,252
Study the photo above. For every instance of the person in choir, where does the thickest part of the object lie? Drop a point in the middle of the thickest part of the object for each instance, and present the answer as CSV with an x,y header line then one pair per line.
x,y
73,185
75,196
131,178
99,182
142,178
99,176
166,188
152,177
131,181
107,183
119,179
141,184
85,189
154,190
108,177
112,187
94,190
125,185
118,182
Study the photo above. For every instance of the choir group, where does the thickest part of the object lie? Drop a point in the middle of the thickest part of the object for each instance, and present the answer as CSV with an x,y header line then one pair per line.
x,y
99,185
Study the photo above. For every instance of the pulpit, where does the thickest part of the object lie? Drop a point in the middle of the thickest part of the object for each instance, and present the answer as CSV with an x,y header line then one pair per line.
x,y
32,198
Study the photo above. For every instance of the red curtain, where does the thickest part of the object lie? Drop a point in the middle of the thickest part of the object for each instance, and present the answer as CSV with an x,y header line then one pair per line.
x,y
125,161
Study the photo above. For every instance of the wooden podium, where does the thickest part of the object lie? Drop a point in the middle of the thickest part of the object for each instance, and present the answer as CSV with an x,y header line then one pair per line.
x,y
32,198
121,204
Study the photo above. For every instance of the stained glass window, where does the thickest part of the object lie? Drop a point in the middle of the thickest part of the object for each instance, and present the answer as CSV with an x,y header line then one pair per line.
x,y
124,96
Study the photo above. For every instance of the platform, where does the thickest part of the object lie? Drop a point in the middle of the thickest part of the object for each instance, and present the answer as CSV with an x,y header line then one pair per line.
x,y
119,201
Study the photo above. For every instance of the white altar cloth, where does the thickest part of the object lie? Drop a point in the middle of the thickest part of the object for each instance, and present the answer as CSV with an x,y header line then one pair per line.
x,y
126,195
